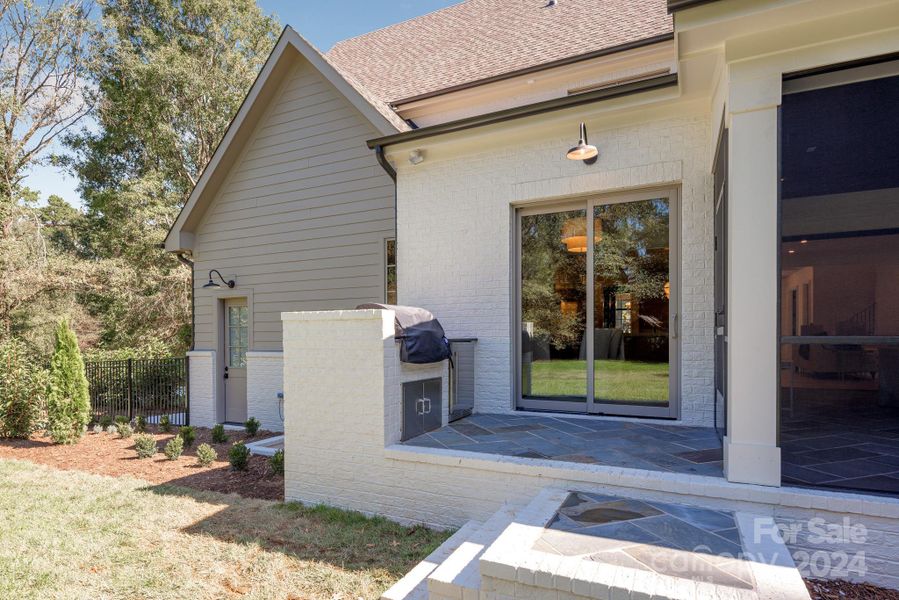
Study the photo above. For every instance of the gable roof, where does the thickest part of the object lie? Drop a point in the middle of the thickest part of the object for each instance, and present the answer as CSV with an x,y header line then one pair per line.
x,y
276,67
482,39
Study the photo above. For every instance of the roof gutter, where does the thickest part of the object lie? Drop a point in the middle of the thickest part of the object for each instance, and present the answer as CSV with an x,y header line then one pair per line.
x,y
658,39
676,5
520,112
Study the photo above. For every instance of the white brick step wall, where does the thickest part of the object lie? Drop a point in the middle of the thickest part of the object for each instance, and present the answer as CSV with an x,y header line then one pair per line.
x,y
414,584
459,576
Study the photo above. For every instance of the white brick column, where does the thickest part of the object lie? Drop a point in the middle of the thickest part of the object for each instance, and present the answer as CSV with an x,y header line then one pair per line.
x,y
751,452
265,380
202,388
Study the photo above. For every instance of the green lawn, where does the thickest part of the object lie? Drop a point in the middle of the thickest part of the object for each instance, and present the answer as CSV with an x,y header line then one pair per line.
x,y
74,535
616,380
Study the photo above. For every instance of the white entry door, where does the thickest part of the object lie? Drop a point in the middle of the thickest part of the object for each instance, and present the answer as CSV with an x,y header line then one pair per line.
x,y
236,329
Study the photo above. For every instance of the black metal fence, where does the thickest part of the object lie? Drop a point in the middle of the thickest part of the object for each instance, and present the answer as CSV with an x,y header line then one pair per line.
x,y
147,387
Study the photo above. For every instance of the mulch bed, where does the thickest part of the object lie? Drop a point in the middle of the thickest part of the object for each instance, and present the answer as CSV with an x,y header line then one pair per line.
x,y
108,454
822,589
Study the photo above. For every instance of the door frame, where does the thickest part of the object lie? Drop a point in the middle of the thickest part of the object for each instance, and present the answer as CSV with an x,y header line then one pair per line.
x,y
588,203
217,299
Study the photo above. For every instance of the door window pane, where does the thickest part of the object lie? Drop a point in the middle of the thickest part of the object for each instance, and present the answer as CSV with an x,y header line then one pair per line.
x,y
238,336
631,295
554,305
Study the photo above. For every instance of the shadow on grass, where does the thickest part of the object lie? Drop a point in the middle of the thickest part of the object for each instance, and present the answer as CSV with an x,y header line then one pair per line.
x,y
348,540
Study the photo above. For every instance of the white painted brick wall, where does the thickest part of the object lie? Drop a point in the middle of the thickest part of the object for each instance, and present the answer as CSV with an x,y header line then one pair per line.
x,y
342,410
202,388
265,379
454,238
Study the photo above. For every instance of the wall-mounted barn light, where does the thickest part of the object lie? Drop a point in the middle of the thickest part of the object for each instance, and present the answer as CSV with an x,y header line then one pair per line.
x,y
213,284
583,151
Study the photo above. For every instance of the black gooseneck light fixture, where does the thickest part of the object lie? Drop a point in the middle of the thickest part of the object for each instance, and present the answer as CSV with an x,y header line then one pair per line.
x,y
212,284
583,151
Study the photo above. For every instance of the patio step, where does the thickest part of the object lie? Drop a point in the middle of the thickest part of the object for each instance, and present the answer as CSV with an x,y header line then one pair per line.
x,y
414,585
459,576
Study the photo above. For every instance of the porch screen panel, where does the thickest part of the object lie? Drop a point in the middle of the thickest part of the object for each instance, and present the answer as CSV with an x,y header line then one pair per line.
x,y
553,306
839,285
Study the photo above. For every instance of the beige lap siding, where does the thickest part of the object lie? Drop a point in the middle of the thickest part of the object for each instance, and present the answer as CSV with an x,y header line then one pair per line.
x,y
301,219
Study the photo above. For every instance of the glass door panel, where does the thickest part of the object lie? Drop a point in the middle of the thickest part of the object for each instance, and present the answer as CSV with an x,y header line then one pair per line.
x,y
631,305
553,264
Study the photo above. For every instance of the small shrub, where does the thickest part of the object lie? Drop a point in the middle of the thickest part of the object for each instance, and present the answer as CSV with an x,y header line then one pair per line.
x,y
218,434
174,448
124,430
121,419
145,445
111,429
239,456
206,455
276,462
164,424
140,424
98,428
68,403
105,422
252,426
188,434
22,390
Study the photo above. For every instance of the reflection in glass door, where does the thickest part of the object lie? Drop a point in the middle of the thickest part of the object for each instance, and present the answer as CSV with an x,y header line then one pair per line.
x,y
554,309
631,314
606,346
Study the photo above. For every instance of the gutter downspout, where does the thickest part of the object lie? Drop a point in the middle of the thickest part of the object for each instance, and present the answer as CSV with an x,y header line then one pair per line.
x,y
388,168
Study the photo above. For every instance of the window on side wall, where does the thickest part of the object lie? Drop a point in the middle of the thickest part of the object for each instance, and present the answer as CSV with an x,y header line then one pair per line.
x,y
390,271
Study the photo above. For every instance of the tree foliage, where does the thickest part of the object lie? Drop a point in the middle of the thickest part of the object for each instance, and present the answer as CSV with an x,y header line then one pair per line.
x,y
22,390
43,63
168,76
68,402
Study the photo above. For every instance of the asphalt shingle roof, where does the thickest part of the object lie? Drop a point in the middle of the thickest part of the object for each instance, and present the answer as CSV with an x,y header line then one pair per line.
x,y
480,39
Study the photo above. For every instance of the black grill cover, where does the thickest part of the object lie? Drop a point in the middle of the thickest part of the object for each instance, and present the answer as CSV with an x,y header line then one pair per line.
x,y
420,333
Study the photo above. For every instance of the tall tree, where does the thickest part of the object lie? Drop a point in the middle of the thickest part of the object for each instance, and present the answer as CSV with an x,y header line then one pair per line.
x,y
168,77
43,63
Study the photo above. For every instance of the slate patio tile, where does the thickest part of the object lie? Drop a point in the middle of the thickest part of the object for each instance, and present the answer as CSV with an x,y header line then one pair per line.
x,y
795,474
857,468
877,483
470,429
703,456
837,454
687,537
703,518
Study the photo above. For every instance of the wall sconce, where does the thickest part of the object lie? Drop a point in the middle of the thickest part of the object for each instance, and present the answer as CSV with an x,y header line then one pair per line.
x,y
212,284
583,151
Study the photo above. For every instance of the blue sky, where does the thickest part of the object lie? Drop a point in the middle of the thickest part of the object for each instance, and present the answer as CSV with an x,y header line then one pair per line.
x,y
323,22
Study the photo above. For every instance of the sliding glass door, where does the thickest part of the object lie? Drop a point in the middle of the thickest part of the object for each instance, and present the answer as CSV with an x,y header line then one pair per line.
x,y
597,306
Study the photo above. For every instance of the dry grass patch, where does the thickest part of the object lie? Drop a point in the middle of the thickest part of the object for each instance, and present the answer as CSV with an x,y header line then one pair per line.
x,y
69,534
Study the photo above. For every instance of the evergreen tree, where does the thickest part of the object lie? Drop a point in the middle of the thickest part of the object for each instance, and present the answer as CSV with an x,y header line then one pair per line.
x,y
68,402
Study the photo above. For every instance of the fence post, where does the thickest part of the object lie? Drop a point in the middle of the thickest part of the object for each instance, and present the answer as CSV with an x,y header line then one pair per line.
x,y
187,390
130,392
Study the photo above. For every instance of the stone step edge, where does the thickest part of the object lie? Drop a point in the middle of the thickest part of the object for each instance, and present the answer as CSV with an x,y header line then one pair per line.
x,y
460,572
414,584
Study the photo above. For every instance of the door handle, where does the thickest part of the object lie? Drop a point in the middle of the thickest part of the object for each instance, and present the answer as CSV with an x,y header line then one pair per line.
x,y
674,327
226,376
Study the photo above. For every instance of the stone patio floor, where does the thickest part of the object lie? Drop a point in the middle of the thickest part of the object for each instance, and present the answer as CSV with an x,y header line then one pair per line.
x,y
669,539
651,446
